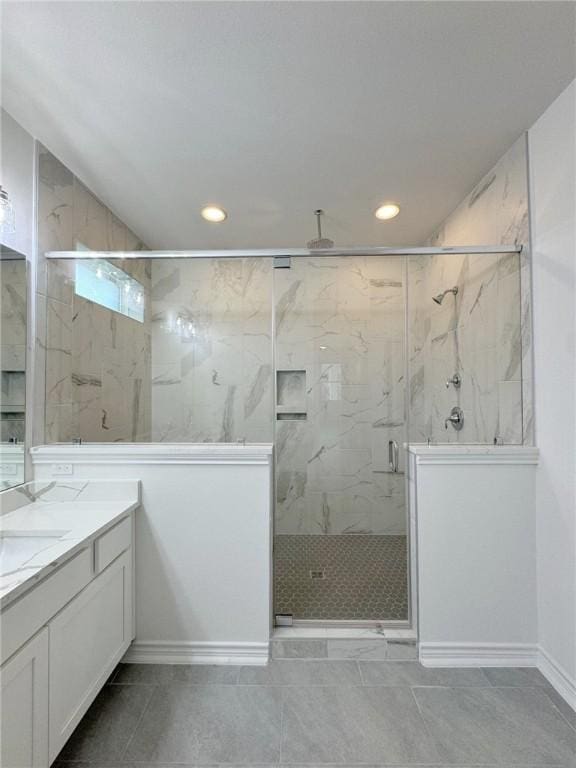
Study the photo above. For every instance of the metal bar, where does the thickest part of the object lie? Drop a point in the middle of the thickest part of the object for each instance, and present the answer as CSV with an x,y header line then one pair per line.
x,y
295,252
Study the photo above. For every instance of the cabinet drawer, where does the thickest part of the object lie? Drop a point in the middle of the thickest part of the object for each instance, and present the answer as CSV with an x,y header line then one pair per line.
x,y
25,617
112,543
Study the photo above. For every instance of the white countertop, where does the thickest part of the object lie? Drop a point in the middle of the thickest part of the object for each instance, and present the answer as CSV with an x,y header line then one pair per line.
x,y
153,453
58,521
462,453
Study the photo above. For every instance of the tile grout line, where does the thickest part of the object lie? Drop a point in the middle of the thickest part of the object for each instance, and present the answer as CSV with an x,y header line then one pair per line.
x,y
114,675
300,684
282,704
424,723
140,719
436,764
557,708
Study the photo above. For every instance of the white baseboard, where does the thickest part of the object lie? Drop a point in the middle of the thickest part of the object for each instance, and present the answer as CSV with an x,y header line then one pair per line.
x,y
478,655
500,655
558,678
255,654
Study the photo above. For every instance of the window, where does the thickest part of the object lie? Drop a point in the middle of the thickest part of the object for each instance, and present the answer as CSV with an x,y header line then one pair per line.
x,y
101,282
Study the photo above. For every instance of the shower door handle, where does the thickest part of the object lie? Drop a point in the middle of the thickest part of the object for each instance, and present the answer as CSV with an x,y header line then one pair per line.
x,y
393,455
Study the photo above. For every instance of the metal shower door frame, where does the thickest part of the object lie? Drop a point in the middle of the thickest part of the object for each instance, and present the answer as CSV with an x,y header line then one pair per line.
x,y
271,253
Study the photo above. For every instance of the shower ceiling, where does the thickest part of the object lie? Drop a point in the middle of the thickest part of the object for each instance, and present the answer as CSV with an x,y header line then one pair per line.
x,y
276,109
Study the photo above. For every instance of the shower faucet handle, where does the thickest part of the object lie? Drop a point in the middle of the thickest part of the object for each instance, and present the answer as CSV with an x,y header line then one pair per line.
x,y
456,381
456,418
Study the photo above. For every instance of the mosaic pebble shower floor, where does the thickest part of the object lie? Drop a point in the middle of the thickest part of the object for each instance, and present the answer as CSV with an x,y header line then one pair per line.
x,y
341,577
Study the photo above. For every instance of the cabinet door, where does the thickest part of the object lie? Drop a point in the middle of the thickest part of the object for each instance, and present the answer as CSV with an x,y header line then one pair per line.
x,y
24,706
87,639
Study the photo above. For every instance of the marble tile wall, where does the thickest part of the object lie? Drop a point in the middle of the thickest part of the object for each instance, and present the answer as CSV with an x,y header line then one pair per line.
x,y
92,365
13,313
341,321
484,333
212,374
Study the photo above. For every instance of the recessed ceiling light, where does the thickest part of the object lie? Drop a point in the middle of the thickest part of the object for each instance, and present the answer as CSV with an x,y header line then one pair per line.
x,y
387,211
213,213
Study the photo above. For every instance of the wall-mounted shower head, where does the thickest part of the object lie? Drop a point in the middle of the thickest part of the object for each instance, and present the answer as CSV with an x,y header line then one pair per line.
x,y
439,298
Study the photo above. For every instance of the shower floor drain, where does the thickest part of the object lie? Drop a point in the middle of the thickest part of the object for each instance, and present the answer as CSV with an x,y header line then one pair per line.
x,y
318,573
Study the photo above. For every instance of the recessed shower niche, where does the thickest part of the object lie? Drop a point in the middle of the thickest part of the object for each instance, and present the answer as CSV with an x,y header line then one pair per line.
x,y
290,395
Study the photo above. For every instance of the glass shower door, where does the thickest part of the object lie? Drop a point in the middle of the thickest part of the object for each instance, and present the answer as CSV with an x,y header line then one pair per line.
x,y
340,543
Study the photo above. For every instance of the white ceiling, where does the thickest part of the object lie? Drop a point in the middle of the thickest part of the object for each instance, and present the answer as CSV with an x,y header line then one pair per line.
x,y
275,109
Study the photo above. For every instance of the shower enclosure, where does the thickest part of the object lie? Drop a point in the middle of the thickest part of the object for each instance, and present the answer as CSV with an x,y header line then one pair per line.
x,y
340,544
339,358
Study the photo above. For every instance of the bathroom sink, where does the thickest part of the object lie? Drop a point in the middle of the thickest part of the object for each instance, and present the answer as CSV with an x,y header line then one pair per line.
x,y
17,548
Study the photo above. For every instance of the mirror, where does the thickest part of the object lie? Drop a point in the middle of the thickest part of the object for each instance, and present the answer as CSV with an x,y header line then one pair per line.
x,y
13,315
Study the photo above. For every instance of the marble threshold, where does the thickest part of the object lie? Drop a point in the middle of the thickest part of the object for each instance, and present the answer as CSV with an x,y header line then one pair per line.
x,y
342,633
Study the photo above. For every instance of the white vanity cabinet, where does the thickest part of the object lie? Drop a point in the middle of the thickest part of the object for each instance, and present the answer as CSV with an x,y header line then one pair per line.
x,y
24,706
82,619
87,639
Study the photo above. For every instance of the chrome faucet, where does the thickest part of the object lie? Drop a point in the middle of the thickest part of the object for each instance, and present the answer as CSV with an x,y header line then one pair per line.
x,y
456,381
456,418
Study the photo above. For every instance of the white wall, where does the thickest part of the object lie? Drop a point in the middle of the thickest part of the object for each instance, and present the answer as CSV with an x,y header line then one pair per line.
x,y
203,544
552,156
476,554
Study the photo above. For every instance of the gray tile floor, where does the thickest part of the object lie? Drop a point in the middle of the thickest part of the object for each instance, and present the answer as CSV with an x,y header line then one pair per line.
x,y
364,577
324,711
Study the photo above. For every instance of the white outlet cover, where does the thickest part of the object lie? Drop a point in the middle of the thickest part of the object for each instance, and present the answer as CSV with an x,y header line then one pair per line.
x,y
62,469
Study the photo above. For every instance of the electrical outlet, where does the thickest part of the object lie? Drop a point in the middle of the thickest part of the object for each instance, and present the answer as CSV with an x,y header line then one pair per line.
x,y
62,469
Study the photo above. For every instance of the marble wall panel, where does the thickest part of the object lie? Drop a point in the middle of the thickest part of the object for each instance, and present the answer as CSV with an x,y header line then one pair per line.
x,y
212,374
92,365
341,320
485,332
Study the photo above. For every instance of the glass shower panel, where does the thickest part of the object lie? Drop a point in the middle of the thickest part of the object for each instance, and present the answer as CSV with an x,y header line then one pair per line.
x,y
211,331
195,365
97,367
340,541
473,333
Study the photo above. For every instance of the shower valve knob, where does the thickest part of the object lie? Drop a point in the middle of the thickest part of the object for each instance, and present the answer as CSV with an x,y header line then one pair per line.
x,y
456,418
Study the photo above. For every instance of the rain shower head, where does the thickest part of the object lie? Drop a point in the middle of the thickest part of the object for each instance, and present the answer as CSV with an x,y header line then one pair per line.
x,y
439,298
320,242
